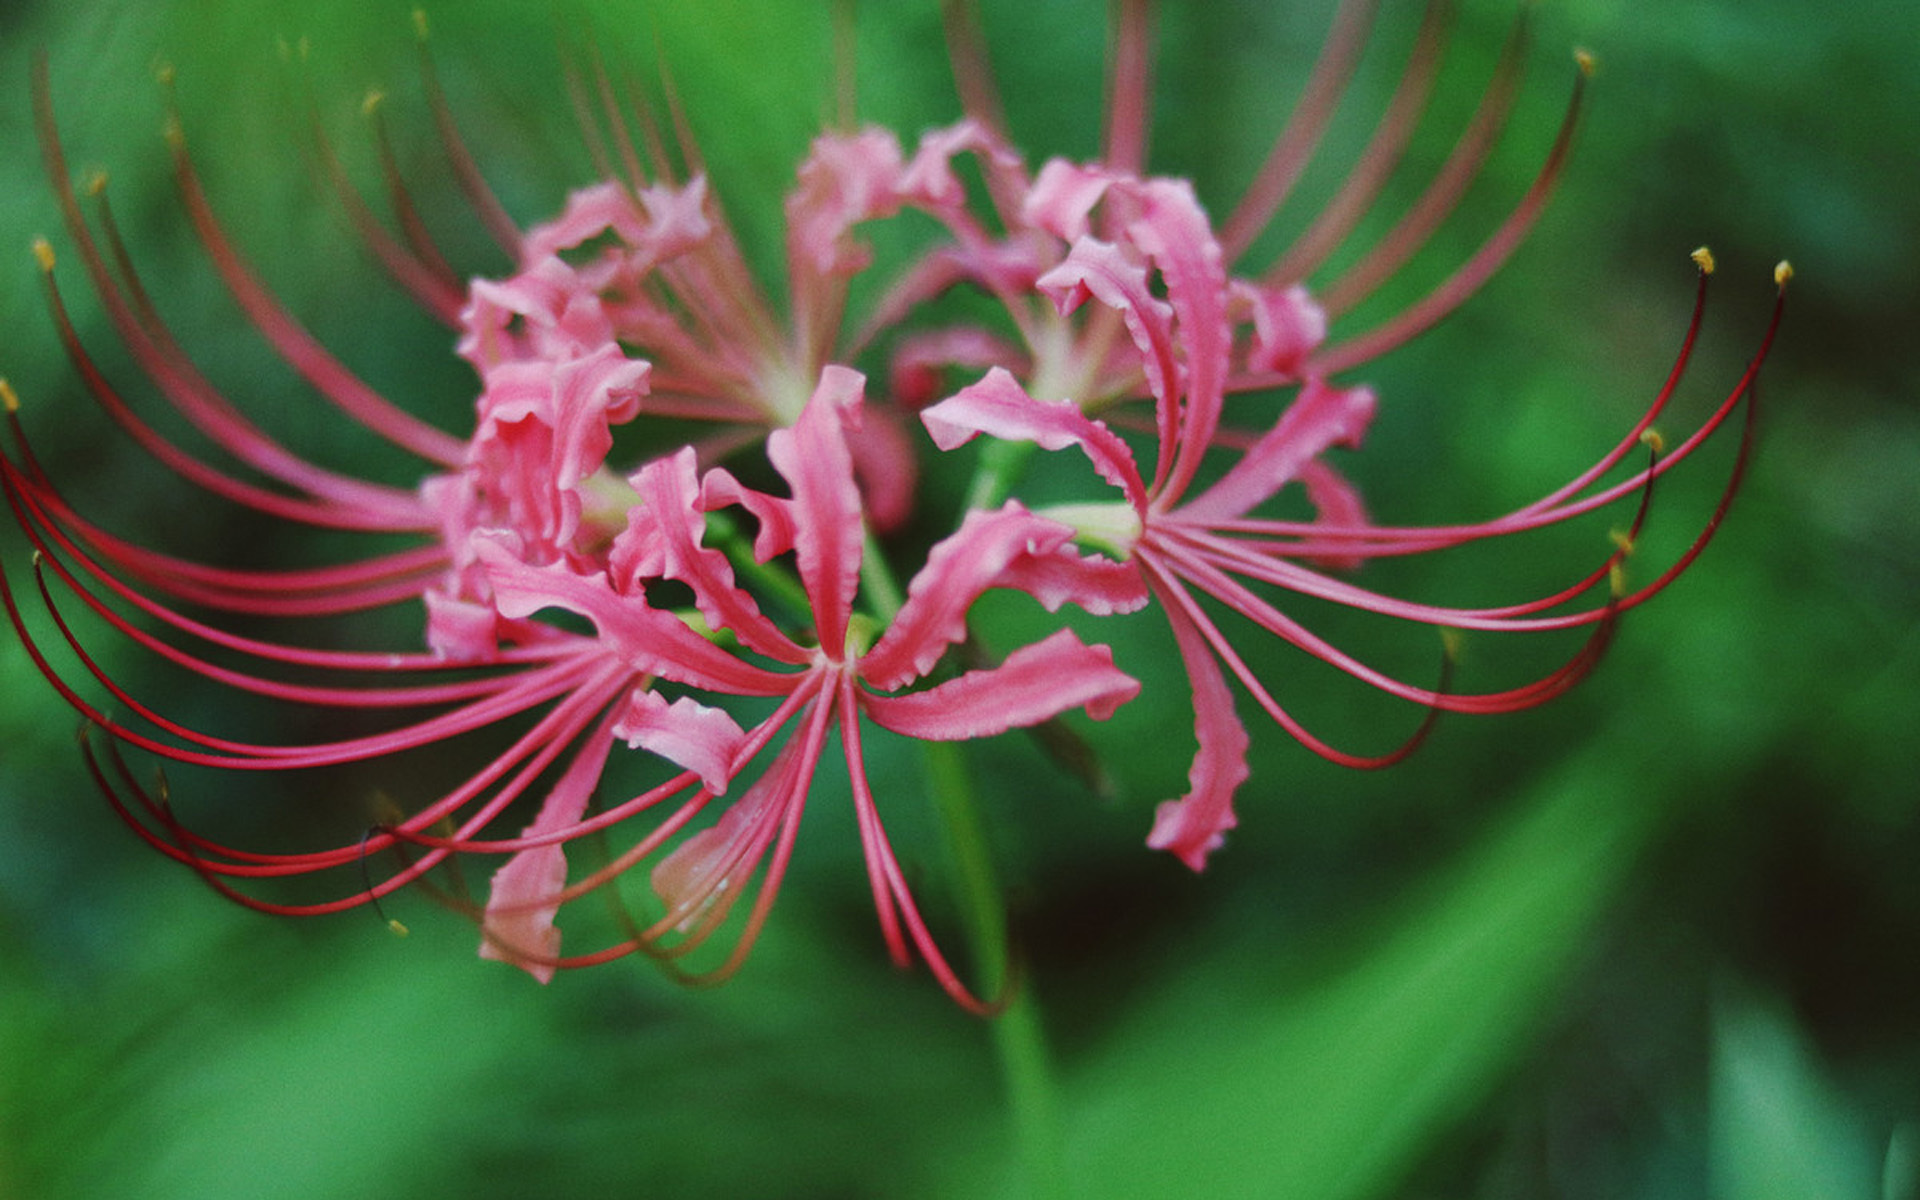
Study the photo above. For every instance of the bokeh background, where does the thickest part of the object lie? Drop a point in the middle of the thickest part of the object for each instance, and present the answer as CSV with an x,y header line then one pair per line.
x,y
1660,939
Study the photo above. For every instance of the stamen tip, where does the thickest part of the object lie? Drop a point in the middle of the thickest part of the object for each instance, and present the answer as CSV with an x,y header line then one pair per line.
x,y
398,929
1782,272
8,396
1584,59
174,133
371,102
1617,580
1453,643
43,254
1651,439
1622,541
95,184
1703,258
420,23
163,73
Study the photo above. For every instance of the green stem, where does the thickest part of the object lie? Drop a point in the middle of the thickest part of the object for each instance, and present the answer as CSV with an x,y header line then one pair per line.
x,y
1000,467
1019,1041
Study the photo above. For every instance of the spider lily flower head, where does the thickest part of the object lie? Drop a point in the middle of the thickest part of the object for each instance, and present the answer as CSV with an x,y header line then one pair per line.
x,y
1186,539
843,672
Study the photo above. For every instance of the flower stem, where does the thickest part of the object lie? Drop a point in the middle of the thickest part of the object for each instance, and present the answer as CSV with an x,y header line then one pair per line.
x,y
1019,1041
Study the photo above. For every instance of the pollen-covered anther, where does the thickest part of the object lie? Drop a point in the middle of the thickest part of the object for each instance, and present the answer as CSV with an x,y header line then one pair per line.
x,y
1703,258
96,183
371,102
1584,59
1453,643
420,28
397,927
1622,541
43,254
1651,439
1782,272
163,73
1617,579
8,397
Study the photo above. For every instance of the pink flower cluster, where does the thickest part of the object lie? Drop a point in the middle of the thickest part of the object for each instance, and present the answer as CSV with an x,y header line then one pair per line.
x,y
586,594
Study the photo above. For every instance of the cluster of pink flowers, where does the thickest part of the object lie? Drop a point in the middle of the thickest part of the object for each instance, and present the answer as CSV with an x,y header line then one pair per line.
x,y
586,599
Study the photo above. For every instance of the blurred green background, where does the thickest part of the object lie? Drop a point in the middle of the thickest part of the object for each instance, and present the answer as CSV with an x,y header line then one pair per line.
x,y
1659,939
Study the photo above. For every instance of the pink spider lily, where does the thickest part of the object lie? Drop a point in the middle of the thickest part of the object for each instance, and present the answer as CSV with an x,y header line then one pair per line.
x,y
1046,214
1183,538
836,676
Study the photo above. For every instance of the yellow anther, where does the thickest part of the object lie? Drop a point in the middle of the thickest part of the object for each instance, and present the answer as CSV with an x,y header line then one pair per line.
x,y
1584,59
1651,439
420,23
1452,643
1621,540
372,102
176,136
394,925
43,253
163,73
8,396
1703,258
95,184
1617,580
1783,272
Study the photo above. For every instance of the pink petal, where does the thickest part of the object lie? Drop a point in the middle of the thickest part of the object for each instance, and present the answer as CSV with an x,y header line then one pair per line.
x,y
957,570
999,407
1319,417
1287,326
1095,583
913,377
662,540
774,514
884,467
522,902
629,629
1062,196
706,873
1196,824
589,212
845,180
1036,683
829,539
1335,502
1104,272
928,181
1172,229
687,734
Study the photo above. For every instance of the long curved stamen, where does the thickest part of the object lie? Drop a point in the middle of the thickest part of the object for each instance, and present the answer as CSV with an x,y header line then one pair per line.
x,y
1377,162
1462,167
1295,145
1423,314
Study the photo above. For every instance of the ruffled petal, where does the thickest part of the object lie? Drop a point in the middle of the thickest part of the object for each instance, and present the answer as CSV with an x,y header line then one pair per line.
x,y
522,902
1288,326
829,529
958,569
1319,417
1173,231
1063,196
646,639
662,540
999,407
1196,824
686,733
1105,272
1036,683
846,179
